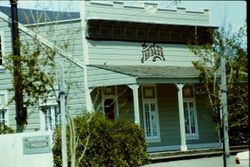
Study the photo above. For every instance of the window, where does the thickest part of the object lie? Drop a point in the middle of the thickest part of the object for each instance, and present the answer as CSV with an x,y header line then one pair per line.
x,y
52,117
191,126
190,115
150,113
1,48
150,119
3,108
110,104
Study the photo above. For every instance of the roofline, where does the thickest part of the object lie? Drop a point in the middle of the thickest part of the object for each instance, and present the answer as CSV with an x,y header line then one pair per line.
x,y
54,22
5,17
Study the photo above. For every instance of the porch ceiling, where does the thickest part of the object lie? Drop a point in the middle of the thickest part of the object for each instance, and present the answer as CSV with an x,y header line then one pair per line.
x,y
153,74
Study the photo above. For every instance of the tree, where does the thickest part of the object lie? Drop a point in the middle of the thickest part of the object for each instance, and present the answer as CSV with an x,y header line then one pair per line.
x,y
231,46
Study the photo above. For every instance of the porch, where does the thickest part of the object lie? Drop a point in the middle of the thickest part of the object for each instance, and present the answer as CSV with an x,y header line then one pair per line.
x,y
163,101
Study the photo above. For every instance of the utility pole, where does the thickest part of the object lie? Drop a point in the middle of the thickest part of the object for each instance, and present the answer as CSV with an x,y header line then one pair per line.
x,y
21,113
226,151
63,118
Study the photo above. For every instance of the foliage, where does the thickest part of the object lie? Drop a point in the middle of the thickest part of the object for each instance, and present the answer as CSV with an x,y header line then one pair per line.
x,y
231,46
4,129
37,71
102,142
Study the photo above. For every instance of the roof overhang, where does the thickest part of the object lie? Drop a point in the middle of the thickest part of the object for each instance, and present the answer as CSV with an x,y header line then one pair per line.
x,y
117,30
109,75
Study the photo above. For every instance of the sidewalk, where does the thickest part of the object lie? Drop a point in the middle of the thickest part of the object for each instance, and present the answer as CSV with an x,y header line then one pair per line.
x,y
216,161
191,154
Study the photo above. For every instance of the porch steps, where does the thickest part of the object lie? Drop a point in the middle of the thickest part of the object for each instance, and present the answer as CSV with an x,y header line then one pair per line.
x,y
191,154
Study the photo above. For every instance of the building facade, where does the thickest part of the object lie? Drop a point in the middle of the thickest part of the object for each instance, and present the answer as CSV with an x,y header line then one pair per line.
x,y
128,63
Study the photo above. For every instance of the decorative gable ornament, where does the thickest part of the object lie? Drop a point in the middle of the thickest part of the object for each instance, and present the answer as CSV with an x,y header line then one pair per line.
x,y
154,51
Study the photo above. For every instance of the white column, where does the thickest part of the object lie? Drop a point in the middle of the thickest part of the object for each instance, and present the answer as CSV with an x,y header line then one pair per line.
x,y
181,117
135,87
88,101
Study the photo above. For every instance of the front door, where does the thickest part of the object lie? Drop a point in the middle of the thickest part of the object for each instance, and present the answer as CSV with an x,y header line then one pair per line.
x,y
109,109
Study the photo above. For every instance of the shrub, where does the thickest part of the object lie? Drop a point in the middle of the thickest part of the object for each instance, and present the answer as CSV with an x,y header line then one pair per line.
x,y
111,143
4,129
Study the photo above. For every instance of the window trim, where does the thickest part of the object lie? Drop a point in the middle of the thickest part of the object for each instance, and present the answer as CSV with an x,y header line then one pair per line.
x,y
194,136
5,108
3,48
151,100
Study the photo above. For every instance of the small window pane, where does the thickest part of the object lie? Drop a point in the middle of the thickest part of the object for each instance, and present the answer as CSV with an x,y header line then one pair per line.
x,y
146,107
152,107
57,116
148,124
2,116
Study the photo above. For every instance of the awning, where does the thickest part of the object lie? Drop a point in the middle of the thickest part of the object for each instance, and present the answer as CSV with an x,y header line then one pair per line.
x,y
107,75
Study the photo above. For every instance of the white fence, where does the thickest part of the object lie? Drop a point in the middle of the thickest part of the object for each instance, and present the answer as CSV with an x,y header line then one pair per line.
x,y
30,149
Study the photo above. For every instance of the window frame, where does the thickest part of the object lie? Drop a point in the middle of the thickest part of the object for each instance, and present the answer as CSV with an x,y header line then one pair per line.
x,y
110,95
5,107
147,100
191,136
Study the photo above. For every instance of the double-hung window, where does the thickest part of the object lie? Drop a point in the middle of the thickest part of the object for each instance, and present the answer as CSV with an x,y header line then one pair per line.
x,y
150,113
190,115
3,108
50,116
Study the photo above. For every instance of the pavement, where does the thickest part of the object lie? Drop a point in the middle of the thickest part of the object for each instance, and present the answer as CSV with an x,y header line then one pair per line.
x,y
216,161
194,158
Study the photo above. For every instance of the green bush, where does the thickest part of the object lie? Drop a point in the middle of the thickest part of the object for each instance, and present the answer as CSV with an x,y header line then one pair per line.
x,y
111,143
5,129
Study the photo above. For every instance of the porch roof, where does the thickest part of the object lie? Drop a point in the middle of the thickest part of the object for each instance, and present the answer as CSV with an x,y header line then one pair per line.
x,y
148,74
153,71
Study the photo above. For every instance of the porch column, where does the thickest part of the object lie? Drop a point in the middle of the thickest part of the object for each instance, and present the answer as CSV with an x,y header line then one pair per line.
x,y
135,87
181,117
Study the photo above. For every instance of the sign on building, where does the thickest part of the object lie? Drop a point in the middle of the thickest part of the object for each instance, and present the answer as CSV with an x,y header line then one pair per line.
x,y
153,51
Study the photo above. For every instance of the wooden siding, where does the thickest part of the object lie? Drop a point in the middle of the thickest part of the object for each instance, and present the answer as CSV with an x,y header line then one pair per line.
x,y
207,128
64,33
130,53
67,35
5,75
168,115
118,11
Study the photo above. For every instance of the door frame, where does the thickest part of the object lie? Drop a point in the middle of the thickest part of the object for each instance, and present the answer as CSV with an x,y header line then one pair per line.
x,y
115,100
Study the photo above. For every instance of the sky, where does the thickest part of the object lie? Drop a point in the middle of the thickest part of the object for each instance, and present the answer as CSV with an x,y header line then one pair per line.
x,y
222,13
